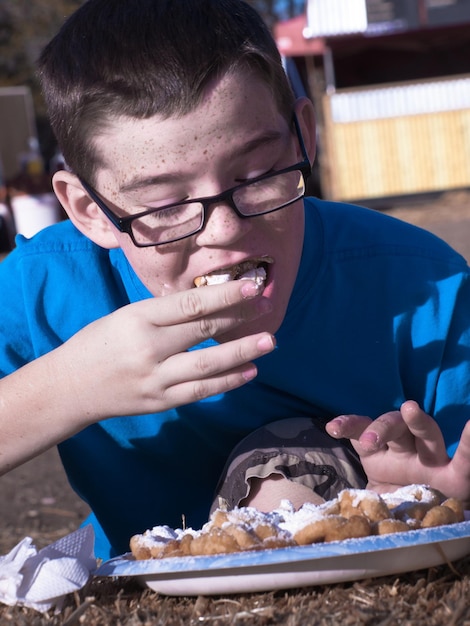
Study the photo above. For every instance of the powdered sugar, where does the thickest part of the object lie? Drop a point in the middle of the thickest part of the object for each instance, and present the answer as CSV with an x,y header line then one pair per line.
x,y
353,513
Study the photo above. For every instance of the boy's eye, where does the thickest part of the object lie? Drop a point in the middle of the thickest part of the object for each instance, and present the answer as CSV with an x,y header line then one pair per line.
x,y
255,175
161,204
168,213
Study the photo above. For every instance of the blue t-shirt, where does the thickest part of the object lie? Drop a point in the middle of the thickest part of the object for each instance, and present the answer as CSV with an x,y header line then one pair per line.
x,y
380,313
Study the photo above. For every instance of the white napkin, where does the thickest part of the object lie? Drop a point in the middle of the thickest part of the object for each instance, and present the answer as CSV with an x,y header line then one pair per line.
x,y
41,580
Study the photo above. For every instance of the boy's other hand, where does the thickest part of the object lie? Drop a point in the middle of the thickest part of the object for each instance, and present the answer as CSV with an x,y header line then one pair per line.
x,y
406,447
137,359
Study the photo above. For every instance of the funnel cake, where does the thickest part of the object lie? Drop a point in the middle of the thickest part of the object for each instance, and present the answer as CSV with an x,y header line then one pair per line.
x,y
354,513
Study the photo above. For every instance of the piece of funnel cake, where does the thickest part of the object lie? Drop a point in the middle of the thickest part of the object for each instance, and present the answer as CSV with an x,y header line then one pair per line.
x,y
252,269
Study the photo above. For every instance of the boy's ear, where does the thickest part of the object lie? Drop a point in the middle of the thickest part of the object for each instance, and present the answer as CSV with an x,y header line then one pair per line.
x,y
82,211
306,117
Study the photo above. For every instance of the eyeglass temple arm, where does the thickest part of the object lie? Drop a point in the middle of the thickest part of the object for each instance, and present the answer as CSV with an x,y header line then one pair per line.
x,y
307,168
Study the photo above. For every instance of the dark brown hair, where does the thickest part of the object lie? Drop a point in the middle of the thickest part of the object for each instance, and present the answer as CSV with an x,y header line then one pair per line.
x,y
139,58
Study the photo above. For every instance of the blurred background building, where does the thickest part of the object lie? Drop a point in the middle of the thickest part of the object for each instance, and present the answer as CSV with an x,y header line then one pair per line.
x,y
391,83
27,146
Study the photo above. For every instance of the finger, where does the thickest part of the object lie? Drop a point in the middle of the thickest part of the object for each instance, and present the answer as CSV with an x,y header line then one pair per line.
x,y
216,361
191,319
429,441
347,426
461,459
389,430
372,435
181,337
194,304
195,390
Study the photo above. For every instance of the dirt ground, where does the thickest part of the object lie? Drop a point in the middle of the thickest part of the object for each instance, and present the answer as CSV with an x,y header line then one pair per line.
x,y
36,501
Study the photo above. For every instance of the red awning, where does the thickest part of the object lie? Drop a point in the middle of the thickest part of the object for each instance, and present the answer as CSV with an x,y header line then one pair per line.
x,y
291,42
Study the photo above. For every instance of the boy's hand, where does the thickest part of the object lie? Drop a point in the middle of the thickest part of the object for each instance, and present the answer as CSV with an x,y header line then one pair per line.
x,y
406,447
136,360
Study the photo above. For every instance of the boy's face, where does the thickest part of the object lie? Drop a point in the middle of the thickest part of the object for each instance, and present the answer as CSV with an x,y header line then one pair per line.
x,y
236,133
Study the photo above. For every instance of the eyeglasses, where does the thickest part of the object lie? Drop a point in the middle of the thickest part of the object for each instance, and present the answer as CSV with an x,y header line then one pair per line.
x,y
170,223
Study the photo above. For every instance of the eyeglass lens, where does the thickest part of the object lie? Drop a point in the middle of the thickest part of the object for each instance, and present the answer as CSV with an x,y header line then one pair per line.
x,y
263,196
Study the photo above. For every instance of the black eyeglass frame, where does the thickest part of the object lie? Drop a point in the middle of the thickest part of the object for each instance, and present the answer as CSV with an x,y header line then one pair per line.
x,y
124,224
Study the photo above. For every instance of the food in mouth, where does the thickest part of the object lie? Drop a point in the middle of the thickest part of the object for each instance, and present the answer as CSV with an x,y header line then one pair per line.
x,y
252,269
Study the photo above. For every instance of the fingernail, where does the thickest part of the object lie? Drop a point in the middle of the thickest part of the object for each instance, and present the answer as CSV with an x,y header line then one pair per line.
x,y
250,373
334,426
266,343
370,439
250,289
337,421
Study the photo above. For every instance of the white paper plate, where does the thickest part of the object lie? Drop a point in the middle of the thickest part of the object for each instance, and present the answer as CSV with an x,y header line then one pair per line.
x,y
300,566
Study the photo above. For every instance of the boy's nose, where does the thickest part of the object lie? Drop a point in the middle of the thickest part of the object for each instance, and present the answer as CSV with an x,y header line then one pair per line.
x,y
223,226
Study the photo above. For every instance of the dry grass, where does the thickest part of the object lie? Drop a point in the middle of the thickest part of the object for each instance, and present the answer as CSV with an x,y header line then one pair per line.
x,y
438,596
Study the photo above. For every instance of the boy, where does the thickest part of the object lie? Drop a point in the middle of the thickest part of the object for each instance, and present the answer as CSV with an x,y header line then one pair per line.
x,y
188,156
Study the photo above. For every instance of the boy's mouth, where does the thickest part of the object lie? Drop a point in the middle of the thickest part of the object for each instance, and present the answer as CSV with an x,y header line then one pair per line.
x,y
251,269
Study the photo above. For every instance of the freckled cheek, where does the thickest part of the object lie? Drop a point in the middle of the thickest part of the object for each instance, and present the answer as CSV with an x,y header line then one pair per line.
x,y
157,282
147,268
286,226
162,273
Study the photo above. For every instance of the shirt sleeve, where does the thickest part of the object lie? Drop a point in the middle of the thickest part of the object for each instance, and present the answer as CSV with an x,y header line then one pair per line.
x,y
15,339
452,394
